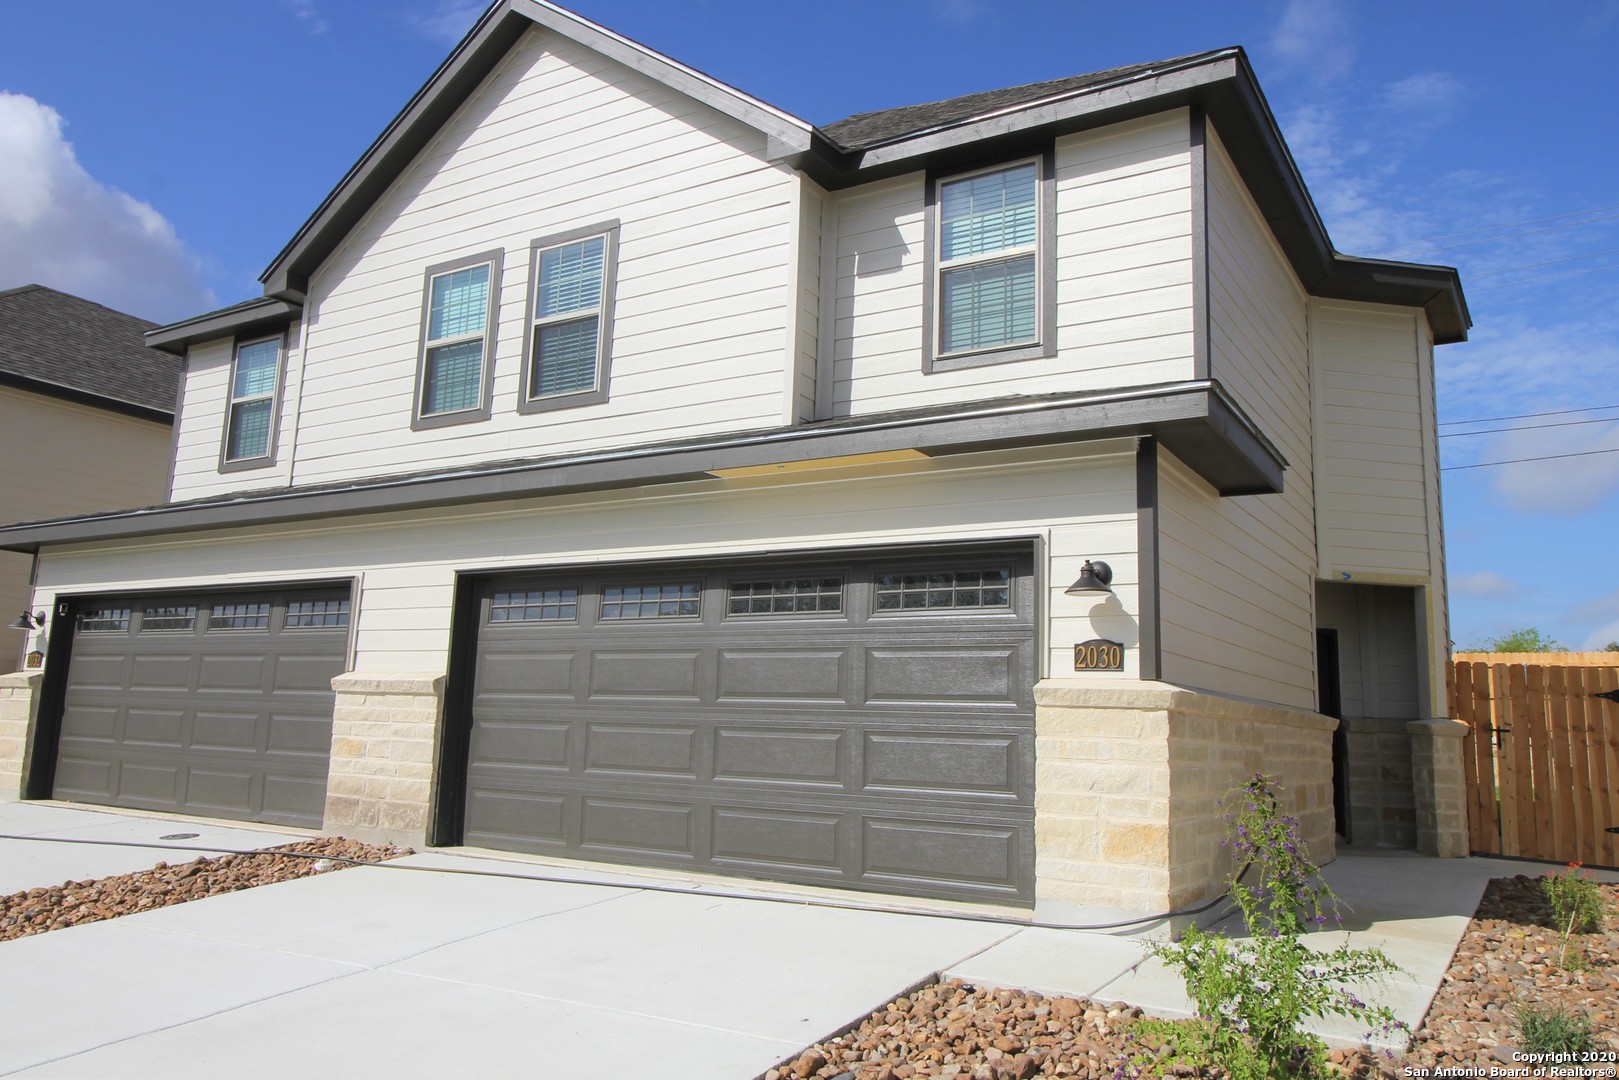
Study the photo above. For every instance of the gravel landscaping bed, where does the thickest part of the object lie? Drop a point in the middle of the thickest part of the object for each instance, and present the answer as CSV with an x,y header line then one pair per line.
x,y
1508,956
34,911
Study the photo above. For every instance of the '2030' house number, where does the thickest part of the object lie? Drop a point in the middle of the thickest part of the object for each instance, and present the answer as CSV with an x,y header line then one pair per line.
x,y
1099,654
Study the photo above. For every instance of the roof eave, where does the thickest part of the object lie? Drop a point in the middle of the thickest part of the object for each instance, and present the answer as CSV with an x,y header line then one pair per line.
x,y
265,313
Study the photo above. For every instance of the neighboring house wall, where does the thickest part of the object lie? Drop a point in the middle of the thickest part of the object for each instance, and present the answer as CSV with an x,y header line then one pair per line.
x,y
1237,573
557,138
64,458
1123,288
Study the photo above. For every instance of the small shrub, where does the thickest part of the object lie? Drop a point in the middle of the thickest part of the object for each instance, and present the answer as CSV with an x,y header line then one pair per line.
x,y
1554,1029
1575,899
1252,996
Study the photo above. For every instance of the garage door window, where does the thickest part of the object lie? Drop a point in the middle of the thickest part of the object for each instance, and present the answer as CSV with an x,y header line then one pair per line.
x,y
796,596
239,617
104,621
317,614
676,600
535,605
169,619
950,590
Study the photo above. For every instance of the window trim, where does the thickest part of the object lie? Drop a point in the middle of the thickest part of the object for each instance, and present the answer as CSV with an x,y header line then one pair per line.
x,y
494,258
266,459
604,342
1045,343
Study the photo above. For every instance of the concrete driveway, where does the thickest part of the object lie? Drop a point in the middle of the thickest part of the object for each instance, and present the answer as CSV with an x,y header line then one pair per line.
x,y
382,972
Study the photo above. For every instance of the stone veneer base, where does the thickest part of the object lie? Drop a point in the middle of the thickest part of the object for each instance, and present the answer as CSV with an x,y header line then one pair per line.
x,y
385,728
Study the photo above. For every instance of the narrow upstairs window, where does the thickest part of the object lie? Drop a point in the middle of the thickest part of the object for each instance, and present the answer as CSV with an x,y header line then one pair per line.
x,y
249,427
456,341
571,324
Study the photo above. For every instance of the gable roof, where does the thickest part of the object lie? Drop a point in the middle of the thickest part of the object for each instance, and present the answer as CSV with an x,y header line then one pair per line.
x,y
1217,86
55,343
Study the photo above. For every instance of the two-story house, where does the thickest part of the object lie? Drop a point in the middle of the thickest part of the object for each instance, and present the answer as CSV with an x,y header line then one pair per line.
x,y
617,467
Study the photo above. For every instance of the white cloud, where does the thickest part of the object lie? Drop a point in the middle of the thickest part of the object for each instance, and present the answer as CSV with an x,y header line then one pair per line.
x,y
1566,484
1314,35
447,20
958,12
1487,584
1434,93
1599,639
306,12
61,227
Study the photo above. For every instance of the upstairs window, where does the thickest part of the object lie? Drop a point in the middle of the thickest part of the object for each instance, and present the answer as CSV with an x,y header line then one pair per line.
x,y
457,340
990,279
250,425
570,319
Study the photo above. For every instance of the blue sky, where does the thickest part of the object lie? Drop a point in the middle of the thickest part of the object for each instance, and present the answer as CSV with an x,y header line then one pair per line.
x,y
155,157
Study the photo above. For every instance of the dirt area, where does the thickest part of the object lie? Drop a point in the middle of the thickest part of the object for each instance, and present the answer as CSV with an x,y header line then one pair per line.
x,y
1509,956
34,911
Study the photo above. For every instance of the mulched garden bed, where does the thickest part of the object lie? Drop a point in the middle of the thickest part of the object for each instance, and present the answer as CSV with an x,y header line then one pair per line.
x,y
1508,956
34,911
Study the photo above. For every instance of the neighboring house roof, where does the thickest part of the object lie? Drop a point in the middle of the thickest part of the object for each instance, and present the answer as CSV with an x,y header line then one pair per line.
x,y
1219,85
54,343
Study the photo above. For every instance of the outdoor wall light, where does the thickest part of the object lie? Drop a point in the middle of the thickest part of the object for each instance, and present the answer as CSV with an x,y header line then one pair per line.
x,y
26,621
1094,577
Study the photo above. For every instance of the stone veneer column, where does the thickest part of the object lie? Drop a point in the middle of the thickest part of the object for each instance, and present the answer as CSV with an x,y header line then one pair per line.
x,y
19,706
384,736
1128,782
1440,786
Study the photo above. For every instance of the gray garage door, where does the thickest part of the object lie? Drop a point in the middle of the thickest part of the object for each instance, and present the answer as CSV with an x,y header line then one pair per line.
x,y
211,705
866,724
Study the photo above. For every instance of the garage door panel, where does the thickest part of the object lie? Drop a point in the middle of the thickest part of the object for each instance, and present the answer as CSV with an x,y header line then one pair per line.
x,y
621,748
528,674
944,674
525,821
226,731
923,761
666,674
227,723
809,675
627,826
776,839
536,743
153,728
900,851
799,757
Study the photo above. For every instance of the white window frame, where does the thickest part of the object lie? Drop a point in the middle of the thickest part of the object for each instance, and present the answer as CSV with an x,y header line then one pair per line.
x,y
528,403
482,409
232,403
1043,343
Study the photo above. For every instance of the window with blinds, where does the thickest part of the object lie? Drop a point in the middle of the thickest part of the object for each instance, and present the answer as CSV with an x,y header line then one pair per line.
x,y
987,283
254,372
571,315
457,339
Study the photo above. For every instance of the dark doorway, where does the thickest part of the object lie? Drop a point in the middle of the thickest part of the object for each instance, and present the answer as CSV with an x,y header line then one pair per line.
x,y
1330,695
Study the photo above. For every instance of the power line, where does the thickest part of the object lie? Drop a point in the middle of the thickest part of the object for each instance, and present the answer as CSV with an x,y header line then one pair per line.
x,y
1546,277
1531,427
1495,228
1528,416
1515,461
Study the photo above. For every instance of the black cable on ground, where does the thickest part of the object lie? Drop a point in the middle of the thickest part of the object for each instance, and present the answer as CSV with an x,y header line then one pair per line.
x,y
837,905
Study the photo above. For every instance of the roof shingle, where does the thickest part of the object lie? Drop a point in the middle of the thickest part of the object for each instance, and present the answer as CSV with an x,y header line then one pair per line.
x,y
62,340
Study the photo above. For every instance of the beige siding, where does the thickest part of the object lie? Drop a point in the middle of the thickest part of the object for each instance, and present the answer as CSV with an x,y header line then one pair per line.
x,y
1374,475
804,329
1236,594
62,459
1123,288
557,138
198,446
1378,655
1081,504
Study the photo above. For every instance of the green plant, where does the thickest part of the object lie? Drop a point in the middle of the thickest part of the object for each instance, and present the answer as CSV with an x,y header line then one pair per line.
x,y
1575,899
1554,1029
1252,996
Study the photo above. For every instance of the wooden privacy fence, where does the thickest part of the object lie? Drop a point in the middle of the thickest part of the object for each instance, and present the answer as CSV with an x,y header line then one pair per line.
x,y
1542,759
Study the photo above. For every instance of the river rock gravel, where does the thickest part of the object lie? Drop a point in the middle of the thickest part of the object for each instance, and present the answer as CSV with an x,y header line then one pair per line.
x,y
1508,956
34,911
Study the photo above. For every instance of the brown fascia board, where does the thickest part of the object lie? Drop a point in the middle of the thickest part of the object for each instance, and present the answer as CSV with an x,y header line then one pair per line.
x,y
1196,421
1224,86
265,313
479,53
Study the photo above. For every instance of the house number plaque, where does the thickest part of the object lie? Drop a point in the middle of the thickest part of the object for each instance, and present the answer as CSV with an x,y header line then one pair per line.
x,y
1099,654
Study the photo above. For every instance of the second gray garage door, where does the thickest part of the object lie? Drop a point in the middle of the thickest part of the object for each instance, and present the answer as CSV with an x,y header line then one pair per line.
x,y
862,723
216,705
